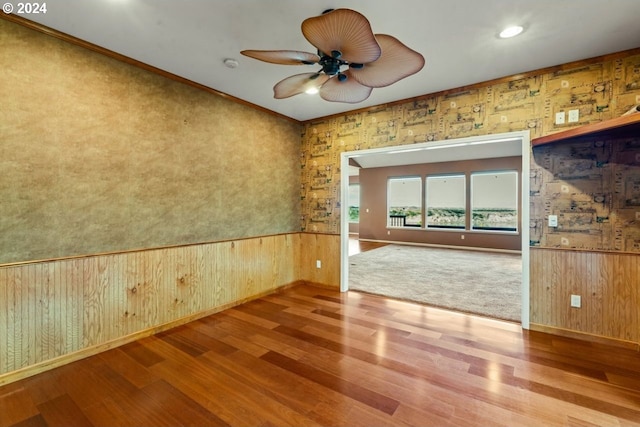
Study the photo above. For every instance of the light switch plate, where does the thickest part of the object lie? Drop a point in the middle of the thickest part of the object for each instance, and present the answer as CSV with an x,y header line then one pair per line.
x,y
574,116
560,118
553,220
576,301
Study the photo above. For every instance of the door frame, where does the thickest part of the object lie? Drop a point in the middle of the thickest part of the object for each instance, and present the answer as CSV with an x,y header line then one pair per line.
x,y
523,136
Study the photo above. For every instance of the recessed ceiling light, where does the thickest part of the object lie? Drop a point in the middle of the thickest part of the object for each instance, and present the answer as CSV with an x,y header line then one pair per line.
x,y
511,31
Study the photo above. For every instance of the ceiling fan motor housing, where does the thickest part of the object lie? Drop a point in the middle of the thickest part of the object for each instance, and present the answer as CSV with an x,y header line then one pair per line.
x,y
331,65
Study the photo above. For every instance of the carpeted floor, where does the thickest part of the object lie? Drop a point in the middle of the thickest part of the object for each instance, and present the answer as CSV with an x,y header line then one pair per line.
x,y
484,283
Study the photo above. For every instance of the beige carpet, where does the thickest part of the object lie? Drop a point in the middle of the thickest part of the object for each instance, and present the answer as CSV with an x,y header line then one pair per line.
x,y
484,283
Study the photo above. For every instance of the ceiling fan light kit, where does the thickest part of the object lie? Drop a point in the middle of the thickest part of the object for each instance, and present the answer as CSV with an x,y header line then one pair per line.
x,y
352,58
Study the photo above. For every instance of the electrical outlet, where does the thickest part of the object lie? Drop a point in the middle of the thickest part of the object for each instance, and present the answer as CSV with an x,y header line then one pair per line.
x,y
560,118
576,301
462,236
574,116
318,263
553,220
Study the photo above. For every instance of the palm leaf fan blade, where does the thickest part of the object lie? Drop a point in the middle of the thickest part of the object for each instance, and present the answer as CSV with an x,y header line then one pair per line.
x,y
396,62
283,57
348,91
298,84
345,31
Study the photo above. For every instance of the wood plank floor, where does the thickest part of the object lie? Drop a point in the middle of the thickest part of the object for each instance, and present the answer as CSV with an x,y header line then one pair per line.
x,y
311,356
357,246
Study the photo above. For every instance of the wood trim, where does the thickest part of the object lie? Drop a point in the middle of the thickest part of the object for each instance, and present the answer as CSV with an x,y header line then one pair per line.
x,y
98,49
317,284
567,333
621,123
139,250
312,233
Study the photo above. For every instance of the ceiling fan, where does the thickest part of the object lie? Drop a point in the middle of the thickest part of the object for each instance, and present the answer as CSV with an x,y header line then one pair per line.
x,y
353,59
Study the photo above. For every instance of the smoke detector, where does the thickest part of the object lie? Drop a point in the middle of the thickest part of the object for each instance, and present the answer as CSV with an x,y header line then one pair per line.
x,y
231,63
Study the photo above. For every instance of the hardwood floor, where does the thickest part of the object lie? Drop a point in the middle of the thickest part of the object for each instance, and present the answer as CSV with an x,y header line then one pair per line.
x,y
311,356
357,246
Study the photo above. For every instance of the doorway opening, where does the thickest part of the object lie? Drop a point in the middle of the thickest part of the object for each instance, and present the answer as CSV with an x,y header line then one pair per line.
x,y
479,147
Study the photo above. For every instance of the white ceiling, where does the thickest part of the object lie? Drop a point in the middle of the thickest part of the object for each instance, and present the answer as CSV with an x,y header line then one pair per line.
x,y
471,148
458,39
486,147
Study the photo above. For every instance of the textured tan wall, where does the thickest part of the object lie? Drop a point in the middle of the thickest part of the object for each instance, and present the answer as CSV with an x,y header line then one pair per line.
x,y
599,91
98,156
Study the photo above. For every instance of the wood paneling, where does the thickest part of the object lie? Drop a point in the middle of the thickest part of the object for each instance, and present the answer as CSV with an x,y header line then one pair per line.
x,y
323,247
53,312
606,282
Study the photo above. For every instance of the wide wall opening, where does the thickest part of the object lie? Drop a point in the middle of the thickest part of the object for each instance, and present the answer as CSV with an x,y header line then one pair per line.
x,y
476,205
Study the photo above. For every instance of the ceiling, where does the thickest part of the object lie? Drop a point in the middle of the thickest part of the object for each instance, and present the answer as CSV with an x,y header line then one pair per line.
x,y
458,39
485,147
448,150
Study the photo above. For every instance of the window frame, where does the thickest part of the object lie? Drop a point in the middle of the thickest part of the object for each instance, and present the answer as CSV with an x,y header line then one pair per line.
x,y
508,230
420,205
442,227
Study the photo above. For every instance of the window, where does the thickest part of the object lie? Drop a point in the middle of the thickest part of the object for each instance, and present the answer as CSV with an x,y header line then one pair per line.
x,y
494,201
446,201
404,198
354,202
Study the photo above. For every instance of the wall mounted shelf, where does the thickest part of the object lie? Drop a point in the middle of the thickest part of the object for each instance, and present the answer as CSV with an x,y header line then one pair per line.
x,y
620,126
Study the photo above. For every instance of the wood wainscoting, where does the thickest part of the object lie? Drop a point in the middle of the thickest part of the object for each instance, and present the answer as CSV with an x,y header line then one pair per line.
x,y
324,248
607,284
54,312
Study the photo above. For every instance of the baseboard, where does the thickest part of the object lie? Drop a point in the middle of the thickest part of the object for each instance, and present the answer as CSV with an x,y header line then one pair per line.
x,y
47,365
432,245
583,336
319,285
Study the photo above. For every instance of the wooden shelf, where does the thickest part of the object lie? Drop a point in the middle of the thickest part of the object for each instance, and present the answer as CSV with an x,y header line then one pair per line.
x,y
619,125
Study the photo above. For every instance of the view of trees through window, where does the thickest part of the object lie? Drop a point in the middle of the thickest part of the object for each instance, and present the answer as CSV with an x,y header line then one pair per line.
x,y
446,201
494,201
491,204
354,202
404,201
